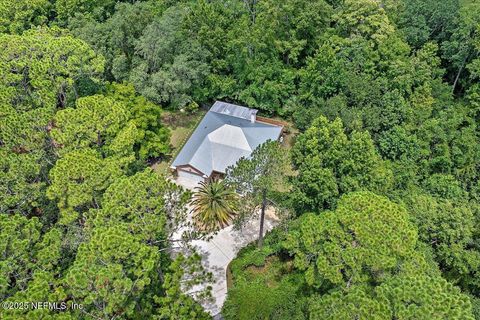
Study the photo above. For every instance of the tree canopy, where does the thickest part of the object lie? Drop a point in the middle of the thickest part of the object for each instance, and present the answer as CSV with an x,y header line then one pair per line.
x,y
364,239
378,165
331,163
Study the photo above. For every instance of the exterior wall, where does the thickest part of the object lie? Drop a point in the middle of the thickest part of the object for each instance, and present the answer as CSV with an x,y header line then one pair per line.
x,y
216,176
271,121
189,169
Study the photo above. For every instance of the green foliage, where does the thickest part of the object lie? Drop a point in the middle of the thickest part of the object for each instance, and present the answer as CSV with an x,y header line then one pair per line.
x,y
175,304
42,286
425,20
264,169
115,125
451,135
419,297
115,37
255,300
40,68
81,220
96,122
264,287
90,243
110,271
364,18
66,9
18,237
399,144
145,211
444,186
79,179
254,178
168,68
331,163
18,16
153,136
462,47
365,239
475,307
354,303
424,297
450,228
20,187
214,205
250,258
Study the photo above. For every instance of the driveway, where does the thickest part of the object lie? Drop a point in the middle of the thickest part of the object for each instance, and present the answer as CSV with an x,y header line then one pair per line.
x,y
221,249
217,253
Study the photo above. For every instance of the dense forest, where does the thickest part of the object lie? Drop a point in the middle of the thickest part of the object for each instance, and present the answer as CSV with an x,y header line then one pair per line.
x,y
382,199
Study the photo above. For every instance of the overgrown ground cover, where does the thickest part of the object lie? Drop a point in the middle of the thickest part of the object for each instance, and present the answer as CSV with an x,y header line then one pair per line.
x,y
263,284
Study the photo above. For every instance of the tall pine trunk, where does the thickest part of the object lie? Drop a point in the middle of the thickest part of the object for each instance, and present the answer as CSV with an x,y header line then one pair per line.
x,y
262,218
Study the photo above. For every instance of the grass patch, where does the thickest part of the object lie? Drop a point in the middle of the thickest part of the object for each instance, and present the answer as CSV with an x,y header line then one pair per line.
x,y
178,135
181,125
160,166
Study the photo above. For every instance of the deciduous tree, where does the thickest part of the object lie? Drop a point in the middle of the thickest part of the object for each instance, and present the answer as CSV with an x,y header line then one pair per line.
x,y
331,163
169,67
18,16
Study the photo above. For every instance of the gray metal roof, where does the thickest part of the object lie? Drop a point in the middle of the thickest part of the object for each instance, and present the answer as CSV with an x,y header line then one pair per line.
x,y
220,140
233,110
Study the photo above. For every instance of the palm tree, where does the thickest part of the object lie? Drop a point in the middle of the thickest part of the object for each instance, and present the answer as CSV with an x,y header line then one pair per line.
x,y
214,205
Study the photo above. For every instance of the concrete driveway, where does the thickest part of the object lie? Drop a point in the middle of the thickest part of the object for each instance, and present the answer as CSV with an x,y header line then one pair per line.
x,y
220,250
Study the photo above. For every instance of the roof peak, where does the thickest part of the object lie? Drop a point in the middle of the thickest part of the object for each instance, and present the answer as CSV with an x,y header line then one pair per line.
x,y
231,136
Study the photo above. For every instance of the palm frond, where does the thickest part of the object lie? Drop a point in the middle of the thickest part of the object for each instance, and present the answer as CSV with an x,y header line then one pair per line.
x,y
214,205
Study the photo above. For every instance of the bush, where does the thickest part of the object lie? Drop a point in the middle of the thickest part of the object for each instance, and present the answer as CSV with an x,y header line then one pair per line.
x,y
255,300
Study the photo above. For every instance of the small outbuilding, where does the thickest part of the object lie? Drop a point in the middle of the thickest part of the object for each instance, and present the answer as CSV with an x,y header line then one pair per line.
x,y
227,133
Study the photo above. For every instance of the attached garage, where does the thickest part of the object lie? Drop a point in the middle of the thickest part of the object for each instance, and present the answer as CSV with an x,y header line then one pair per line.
x,y
190,176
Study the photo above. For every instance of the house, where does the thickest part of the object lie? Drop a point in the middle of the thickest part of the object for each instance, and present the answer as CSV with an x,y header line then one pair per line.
x,y
227,133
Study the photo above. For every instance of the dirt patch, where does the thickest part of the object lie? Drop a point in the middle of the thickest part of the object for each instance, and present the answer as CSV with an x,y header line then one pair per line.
x,y
290,133
180,119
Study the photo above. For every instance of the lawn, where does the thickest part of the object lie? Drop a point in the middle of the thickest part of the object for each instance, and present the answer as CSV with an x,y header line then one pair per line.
x,y
181,125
